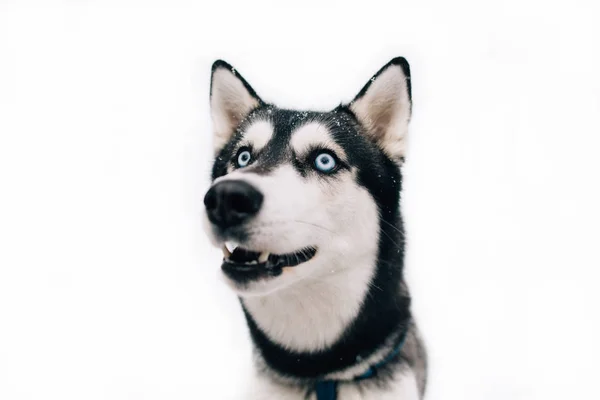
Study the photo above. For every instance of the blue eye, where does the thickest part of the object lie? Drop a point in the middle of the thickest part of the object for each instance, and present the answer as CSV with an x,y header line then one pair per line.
x,y
244,158
325,162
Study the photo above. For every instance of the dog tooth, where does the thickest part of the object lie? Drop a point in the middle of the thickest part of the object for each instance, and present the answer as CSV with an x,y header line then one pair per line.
x,y
264,256
226,252
231,246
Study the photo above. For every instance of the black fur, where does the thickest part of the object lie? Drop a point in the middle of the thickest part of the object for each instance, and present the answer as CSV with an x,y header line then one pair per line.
x,y
385,313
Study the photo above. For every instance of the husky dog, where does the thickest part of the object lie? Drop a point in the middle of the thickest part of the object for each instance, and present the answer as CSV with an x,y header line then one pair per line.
x,y
305,206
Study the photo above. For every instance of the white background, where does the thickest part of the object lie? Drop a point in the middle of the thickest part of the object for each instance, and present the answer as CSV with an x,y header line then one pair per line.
x,y
108,287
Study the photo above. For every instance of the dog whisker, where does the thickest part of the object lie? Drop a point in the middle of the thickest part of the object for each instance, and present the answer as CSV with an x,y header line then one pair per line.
x,y
313,224
393,227
398,246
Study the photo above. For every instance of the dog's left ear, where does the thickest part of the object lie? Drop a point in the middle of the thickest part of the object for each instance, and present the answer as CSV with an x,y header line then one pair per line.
x,y
383,107
231,100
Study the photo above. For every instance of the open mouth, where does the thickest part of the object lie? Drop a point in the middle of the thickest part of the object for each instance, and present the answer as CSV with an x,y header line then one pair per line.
x,y
244,265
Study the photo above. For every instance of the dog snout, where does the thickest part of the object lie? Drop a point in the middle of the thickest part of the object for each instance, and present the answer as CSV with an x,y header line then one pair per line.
x,y
230,203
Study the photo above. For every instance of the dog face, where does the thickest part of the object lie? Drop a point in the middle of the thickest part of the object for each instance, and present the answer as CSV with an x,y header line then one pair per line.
x,y
300,194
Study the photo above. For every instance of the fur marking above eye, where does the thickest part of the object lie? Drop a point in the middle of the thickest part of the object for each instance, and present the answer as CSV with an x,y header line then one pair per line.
x,y
325,162
244,158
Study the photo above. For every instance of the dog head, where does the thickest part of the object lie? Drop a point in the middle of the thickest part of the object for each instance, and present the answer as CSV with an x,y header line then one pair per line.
x,y
299,194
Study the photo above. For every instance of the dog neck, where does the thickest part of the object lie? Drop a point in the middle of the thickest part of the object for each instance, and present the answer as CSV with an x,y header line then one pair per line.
x,y
311,314
326,325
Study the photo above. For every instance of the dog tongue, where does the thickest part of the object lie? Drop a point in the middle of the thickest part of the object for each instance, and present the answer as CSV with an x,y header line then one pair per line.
x,y
240,255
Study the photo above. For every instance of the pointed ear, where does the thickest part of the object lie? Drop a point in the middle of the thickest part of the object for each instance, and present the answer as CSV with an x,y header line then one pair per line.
x,y
383,107
231,100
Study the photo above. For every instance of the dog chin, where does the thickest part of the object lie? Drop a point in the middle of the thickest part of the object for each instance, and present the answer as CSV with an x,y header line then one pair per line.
x,y
262,287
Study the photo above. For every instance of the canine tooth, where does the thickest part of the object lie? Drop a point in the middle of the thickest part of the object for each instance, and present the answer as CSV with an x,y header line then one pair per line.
x,y
226,252
231,246
264,256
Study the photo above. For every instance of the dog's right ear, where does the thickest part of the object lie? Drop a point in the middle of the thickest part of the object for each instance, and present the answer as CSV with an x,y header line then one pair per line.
x,y
231,100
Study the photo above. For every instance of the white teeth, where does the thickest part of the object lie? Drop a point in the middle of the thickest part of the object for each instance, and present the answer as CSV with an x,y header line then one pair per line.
x,y
264,256
226,252
231,246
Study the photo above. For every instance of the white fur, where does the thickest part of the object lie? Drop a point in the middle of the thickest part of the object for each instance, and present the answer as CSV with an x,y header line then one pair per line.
x,y
230,103
402,387
257,135
264,388
314,134
312,313
385,110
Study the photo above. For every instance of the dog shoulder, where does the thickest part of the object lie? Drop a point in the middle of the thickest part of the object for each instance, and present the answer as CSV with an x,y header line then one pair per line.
x,y
403,386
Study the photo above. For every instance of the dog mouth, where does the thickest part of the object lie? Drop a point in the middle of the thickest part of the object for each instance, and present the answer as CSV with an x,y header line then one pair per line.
x,y
244,265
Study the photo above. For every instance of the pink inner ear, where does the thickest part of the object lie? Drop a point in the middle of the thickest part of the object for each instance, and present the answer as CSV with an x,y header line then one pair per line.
x,y
230,102
384,110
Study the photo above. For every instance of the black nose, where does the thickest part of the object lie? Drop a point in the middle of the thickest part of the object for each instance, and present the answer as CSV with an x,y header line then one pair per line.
x,y
230,203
